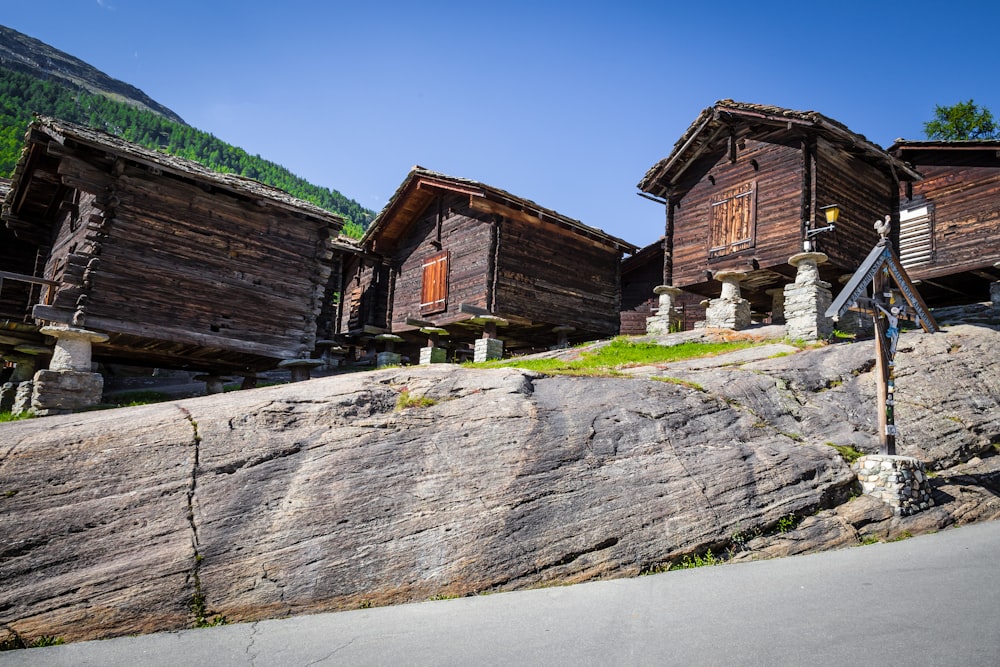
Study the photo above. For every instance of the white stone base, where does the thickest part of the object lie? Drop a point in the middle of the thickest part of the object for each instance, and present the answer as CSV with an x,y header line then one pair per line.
x,y
658,324
728,314
433,355
62,392
488,349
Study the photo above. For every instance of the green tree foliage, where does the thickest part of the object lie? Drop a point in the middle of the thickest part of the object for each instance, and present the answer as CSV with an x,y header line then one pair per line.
x,y
962,121
21,95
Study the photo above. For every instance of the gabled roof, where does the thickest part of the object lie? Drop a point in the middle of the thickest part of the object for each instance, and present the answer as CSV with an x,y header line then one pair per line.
x,y
854,294
421,186
743,119
63,131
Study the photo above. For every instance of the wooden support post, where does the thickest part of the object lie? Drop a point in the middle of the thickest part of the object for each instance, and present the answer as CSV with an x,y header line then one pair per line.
x,y
883,372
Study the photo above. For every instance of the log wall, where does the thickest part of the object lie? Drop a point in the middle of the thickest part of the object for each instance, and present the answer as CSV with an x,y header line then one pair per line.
x,y
466,234
793,181
966,218
210,268
865,194
553,276
778,172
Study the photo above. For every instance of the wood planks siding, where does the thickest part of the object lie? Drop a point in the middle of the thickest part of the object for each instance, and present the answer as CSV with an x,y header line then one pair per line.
x,y
966,217
550,275
774,173
466,237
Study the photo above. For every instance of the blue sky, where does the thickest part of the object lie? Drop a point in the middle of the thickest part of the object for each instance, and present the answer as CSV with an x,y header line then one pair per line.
x,y
567,104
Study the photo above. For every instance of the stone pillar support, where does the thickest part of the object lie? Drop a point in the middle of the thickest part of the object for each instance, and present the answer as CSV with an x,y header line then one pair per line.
x,y
488,347
433,353
807,299
73,348
214,384
667,318
900,481
777,295
301,369
24,371
562,336
389,357
730,310
69,383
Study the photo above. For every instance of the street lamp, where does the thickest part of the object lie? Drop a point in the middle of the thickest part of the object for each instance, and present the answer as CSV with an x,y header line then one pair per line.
x,y
832,214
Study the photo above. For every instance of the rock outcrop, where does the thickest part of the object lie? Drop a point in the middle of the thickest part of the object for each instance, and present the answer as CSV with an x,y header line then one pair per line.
x,y
334,494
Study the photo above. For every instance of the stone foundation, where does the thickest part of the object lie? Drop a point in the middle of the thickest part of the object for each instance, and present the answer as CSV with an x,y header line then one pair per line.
x,y
488,349
383,359
899,481
667,319
62,392
433,355
22,397
730,310
807,299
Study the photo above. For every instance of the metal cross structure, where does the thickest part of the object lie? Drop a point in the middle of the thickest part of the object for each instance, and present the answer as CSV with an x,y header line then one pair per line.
x,y
881,271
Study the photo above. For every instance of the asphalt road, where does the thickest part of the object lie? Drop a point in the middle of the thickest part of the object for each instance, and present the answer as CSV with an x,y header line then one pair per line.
x,y
929,600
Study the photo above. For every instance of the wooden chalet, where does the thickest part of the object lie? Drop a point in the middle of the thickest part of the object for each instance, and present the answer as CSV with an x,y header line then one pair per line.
x,y
746,182
180,266
949,238
446,251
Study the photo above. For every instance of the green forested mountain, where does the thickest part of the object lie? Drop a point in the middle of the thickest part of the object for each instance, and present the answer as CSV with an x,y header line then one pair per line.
x,y
22,94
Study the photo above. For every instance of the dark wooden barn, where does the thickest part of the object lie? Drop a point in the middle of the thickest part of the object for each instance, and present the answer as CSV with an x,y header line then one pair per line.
x,y
180,266
744,184
949,236
446,251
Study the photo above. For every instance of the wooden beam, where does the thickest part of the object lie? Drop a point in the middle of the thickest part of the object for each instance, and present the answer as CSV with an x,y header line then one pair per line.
x,y
170,334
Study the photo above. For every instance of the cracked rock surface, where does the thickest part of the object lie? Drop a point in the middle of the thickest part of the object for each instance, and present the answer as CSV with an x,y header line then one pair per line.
x,y
325,495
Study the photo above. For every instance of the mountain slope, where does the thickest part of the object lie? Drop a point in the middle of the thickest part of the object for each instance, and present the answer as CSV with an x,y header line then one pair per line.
x,y
35,78
26,54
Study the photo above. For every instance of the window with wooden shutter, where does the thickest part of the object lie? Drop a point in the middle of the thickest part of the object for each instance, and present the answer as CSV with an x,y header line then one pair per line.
x,y
734,217
434,290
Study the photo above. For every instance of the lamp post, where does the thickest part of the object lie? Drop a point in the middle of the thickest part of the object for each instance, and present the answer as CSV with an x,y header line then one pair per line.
x,y
832,214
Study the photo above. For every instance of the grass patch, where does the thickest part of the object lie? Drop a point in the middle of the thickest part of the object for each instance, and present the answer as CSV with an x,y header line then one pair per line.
x,y
618,354
14,642
8,416
869,539
141,397
848,452
408,400
680,382
691,561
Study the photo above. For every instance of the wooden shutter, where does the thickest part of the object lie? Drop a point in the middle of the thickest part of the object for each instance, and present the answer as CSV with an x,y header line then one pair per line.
x,y
434,290
916,236
734,216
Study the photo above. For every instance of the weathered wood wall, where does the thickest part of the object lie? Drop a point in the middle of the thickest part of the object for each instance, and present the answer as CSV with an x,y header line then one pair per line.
x,y
777,170
366,293
966,218
466,234
865,194
794,179
550,275
179,264
639,275
16,256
